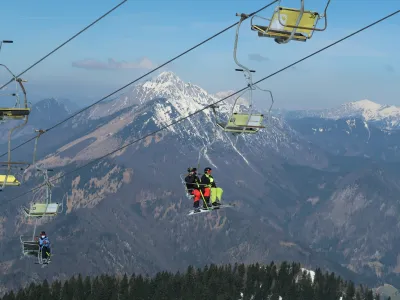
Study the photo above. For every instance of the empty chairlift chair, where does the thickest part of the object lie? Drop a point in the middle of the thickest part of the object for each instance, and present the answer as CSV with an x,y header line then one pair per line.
x,y
243,123
291,24
46,208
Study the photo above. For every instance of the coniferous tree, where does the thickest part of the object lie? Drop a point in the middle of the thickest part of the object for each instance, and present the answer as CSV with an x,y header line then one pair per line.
x,y
211,282
369,295
77,289
123,290
350,291
96,289
65,293
45,293
305,290
56,290
138,288
358,295
9,296
21,295
87,288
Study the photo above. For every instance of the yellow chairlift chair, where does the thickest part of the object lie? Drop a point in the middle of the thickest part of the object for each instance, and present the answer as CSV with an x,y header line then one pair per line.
x,y
291,24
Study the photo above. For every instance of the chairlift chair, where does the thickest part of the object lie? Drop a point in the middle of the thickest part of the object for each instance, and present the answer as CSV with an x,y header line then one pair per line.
x,y
19,111
291,24
8,179
30,247
40,210
243,123
187,194
46,208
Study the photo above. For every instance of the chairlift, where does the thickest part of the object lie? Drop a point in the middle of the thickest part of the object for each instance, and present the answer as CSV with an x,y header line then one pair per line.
x,y
19,112
44,208
243,122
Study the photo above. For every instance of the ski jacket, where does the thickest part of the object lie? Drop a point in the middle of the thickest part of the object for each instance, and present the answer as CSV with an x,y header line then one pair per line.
x,y
208,181
192,182
44,242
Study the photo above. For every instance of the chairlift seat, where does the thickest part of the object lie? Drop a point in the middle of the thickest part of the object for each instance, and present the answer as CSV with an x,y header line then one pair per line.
x,y
42,210
29,246
11,180
240,123
264,31
188,195
14,112
288,16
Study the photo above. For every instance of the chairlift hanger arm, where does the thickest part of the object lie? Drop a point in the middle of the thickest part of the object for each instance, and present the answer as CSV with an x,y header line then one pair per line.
x,y
12,74
40,132
242,67
272,97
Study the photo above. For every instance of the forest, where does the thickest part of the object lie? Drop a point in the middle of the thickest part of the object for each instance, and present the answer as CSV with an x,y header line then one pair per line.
x,y
225,282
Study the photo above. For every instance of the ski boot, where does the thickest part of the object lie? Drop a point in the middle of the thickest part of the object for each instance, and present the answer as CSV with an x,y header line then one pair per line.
x,y
208,205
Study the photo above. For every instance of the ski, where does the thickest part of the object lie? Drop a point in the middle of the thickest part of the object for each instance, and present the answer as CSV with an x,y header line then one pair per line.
x,y
211,208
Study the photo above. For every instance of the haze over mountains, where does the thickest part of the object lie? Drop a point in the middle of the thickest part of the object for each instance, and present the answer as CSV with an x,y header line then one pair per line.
x,y
318,187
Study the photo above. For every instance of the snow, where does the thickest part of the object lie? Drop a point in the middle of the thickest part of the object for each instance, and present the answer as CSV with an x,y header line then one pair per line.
x,y
366,105
312,273
369,111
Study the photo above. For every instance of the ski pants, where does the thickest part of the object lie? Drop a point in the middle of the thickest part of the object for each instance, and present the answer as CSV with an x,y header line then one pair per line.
x,y
45,252
196,194
213,193
196,199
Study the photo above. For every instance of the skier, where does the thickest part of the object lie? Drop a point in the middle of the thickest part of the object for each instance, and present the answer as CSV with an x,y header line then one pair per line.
x,y
44,245
193,187
210,188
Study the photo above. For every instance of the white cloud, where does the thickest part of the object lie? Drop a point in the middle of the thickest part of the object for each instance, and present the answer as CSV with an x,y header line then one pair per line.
x,y
111,64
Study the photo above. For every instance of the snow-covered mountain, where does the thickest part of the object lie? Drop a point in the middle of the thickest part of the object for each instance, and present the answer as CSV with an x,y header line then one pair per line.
x,y
384,116
185,97
166,98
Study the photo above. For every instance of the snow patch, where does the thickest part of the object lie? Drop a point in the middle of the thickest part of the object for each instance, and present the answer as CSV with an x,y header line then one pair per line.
x,y
312,273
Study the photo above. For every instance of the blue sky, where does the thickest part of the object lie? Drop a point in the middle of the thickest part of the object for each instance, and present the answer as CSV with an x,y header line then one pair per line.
x,y
147,33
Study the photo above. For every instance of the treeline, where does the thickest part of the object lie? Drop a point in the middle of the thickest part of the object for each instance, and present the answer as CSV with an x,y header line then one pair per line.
x,y
237,282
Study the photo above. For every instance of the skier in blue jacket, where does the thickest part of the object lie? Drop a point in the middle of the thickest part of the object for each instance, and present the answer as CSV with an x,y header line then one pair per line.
x,y
44,244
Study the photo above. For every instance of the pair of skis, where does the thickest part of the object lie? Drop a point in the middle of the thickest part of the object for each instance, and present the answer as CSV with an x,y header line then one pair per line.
x,y
210,208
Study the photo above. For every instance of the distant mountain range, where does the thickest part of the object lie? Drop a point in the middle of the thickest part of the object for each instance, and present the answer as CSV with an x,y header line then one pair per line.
x,y
383,116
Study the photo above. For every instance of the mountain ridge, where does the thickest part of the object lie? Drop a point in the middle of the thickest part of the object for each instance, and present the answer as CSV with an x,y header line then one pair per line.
x,y
385,116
